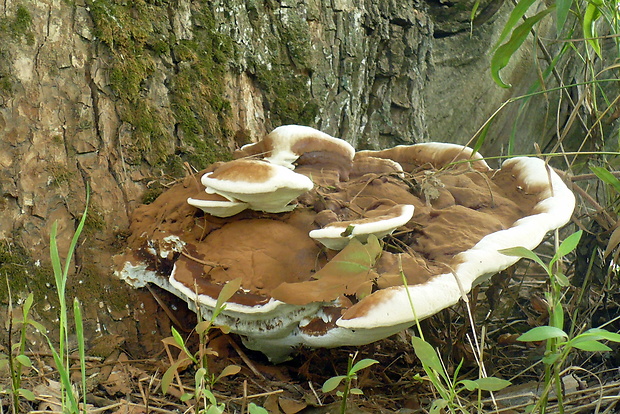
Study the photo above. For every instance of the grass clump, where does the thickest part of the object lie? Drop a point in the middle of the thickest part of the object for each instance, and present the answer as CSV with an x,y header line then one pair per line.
x,y
16,358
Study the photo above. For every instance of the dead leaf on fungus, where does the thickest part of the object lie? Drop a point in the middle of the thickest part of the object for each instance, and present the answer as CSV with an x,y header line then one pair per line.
x,y
350,272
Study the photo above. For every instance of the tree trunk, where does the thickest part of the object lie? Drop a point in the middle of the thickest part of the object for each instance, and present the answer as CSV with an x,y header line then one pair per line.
x,y
124,96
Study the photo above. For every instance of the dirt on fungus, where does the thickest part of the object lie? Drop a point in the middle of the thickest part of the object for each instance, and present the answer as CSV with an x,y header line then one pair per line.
x,y
454,209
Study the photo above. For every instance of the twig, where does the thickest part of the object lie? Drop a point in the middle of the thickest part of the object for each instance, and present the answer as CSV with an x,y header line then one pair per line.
x,y
245,359
318,400
167,310
262,394
211,264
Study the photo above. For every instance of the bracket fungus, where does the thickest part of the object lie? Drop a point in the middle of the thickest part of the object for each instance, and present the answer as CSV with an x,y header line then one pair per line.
x,y
448,222
263,186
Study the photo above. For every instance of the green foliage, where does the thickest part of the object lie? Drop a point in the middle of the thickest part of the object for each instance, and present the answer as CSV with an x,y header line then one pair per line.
x,y
351,375
519,26
448,387
559,344
504,53
203,379
61,355
16,360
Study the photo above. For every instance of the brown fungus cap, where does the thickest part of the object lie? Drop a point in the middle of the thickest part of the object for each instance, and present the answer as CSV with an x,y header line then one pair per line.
x,y
294,291
261,185
320,156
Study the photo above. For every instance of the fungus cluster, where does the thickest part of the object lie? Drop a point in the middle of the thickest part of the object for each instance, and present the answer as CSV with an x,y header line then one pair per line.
x,y
321,236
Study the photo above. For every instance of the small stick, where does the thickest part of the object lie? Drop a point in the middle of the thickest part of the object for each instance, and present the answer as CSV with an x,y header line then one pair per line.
x,y
211,264
262,394
167,310
245,359
244,402
318,400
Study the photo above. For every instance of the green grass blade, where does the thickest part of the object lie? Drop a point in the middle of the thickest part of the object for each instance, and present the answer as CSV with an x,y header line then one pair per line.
x,y
589,31
64,379
515,16
481,138
79,331
55,256
561,13
607,177
502,55
76,235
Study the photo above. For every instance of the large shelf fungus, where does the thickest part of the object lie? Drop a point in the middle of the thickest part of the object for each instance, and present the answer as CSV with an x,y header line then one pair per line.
x,y
448,222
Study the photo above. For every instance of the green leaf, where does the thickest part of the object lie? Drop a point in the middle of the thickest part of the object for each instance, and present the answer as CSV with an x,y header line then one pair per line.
x,y
38,326
526,254
255,409
542,333
177,338
203,327
607,177
27,394
438,406
591,346
561,279
590,17
561,13
569,244
356,391
186,397
469,385
603,334
550,358
199,375
332,383
227,292
228,371
27,305
492,383
427,354
364,363
166,379
207,392
502,55
515,17
24,360
214,409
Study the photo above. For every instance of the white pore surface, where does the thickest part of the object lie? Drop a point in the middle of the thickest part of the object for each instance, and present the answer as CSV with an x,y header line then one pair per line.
x,y
218,208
